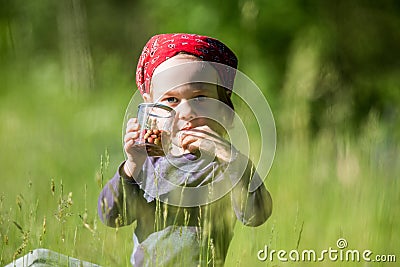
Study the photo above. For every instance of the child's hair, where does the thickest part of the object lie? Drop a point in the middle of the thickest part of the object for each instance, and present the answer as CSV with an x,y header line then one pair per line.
x,y
225,96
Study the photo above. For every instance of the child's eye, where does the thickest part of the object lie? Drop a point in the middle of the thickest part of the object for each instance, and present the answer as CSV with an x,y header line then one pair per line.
x,y
172,100
200,98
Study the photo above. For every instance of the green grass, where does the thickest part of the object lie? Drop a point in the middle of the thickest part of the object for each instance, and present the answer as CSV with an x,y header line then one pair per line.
x,y
57,145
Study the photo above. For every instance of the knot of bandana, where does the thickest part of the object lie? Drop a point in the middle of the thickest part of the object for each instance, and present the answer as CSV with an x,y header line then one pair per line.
x,y
164,46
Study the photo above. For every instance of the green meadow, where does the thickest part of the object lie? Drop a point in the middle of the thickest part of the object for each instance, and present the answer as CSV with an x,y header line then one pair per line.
x,y
59,148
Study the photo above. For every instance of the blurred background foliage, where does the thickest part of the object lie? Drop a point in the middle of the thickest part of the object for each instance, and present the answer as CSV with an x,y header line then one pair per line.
x,y
329,69
353,43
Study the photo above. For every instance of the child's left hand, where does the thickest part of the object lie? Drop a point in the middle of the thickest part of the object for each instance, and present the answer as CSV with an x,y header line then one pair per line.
x,y
204,138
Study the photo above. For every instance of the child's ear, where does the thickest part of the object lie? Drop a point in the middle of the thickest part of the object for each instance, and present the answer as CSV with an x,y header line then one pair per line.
x,y
147,98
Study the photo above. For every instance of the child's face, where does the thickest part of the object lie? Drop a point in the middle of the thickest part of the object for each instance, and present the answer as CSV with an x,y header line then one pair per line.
x,y
174,85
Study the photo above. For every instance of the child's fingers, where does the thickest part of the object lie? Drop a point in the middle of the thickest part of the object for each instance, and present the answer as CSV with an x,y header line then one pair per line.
x,y
132,150
194,146
196,140
132,125
131,136
186,140
132,120
205,131
128,144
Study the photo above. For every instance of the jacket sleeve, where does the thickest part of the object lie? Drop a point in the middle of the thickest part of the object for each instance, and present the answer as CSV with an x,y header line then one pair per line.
x,y
252,208
120,200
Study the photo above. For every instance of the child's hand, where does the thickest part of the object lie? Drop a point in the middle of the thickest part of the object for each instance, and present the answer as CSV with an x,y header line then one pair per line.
x,y
204,138
135,154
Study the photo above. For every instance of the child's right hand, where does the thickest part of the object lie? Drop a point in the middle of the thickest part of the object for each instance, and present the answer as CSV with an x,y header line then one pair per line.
x,y
135,154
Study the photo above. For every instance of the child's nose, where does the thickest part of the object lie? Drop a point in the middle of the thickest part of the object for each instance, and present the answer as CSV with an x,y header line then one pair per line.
x,y
185,110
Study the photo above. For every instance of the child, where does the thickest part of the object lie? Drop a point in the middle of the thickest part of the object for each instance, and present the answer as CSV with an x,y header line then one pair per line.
x,y
198,233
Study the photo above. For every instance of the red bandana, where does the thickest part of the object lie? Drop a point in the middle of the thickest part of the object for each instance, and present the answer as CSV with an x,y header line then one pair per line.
x,y
164,46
